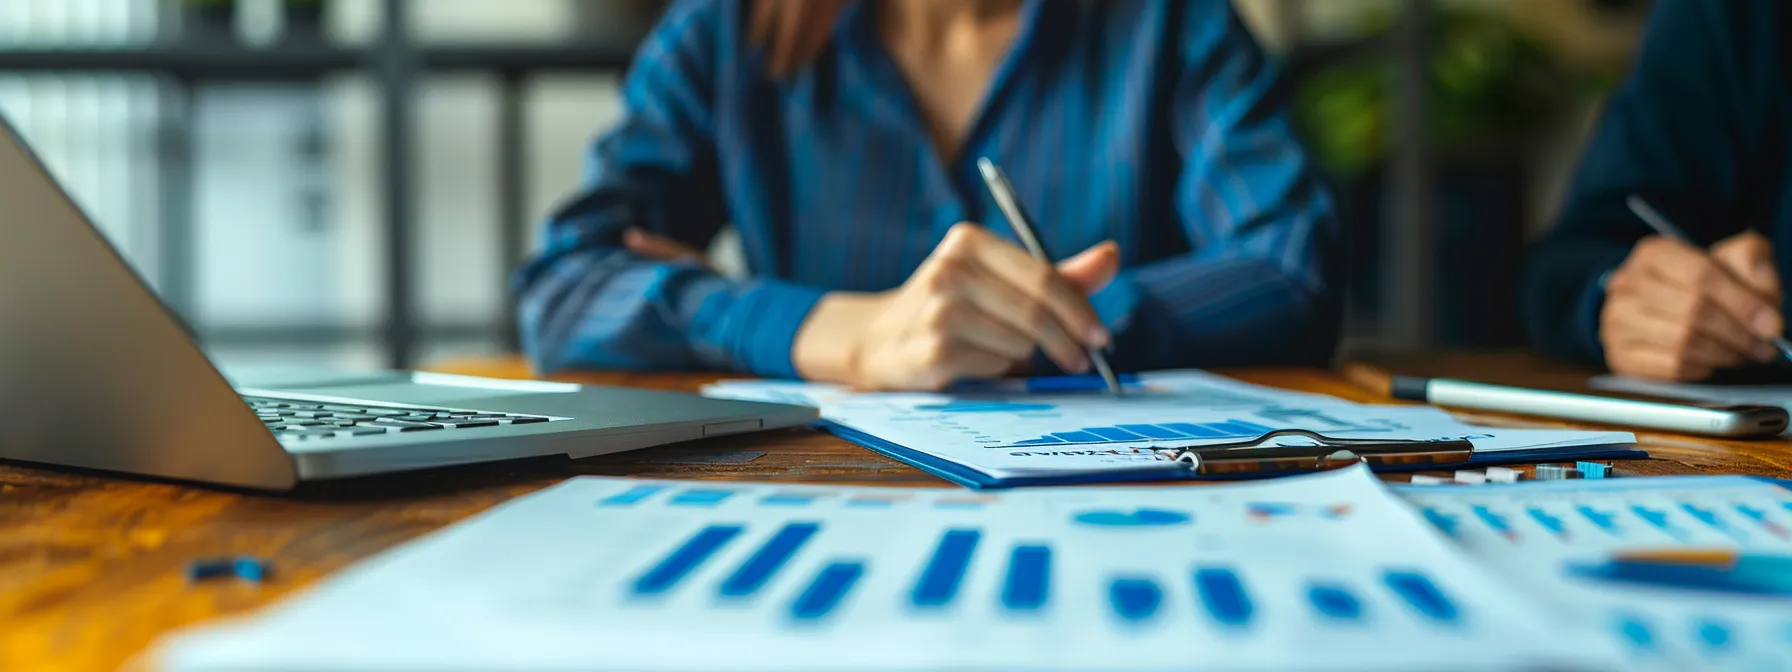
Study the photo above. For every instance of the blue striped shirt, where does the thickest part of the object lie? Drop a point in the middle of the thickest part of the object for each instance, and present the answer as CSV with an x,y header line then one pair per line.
x,y
1154,123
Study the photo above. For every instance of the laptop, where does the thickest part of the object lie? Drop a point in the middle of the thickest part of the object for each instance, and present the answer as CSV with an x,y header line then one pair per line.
x,y
96,373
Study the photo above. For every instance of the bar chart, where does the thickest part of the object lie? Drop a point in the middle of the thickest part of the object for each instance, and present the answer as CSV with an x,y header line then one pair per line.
x,y
1230,429
1679,573
1673,522
611,573
1223,592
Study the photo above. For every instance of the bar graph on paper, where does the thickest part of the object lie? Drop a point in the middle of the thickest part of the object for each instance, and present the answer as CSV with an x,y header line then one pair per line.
x,y
611,573
1033,424
1681,573
743,560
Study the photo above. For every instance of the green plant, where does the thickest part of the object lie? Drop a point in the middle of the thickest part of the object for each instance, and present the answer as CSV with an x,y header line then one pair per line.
x,y
1488,87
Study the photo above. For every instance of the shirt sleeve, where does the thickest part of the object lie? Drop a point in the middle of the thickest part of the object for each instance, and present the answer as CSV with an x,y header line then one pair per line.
x,y
1260,286
1675,133
586,302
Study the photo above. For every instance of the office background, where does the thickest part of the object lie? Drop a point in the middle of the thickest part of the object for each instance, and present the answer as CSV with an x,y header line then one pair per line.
x,y
312,181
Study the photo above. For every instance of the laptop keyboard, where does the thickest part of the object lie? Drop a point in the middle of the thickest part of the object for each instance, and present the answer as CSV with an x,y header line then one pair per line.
x,y
294,420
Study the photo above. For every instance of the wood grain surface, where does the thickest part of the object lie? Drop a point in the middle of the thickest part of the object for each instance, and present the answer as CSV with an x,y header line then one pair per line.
x,y
93,566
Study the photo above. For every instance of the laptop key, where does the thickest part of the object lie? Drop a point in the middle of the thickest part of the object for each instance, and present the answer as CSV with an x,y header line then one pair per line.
x,y
385,412
360,431
524,420
462,424
309,433
402,426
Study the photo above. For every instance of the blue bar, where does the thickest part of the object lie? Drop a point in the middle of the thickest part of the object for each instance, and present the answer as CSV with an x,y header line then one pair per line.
x,y
1240,428
1495,522
1549,522
1444,522
869,503
1424,596
1029,578
768,559
1193,431
958,504
1659,519
788,499
940,580
1751,513
631,496
1760,518
1714,635
1710,519
1632,629
1600,519
1154,431
1078,437
682,562
1113,433
701,497
1039,441
1336,602
826,591
1223,596
1135,599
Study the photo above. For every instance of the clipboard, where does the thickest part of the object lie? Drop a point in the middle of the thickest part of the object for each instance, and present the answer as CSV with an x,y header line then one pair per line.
x,y
1381,456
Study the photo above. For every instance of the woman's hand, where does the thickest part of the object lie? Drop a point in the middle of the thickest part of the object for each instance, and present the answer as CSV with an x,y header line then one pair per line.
x,y
976,308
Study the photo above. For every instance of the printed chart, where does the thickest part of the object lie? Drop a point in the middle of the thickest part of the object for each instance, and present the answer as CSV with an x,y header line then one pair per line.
x,y
602,573
1682,573
1034,435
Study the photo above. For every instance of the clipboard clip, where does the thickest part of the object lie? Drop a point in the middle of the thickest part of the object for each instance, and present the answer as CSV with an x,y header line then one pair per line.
x,y
1252,458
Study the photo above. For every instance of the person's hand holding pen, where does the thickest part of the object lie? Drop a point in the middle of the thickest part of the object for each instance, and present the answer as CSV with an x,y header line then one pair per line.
x,y
977,308
1676,312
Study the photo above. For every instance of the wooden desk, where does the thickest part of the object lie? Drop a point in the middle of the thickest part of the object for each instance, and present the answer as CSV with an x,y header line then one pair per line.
x,y
92,567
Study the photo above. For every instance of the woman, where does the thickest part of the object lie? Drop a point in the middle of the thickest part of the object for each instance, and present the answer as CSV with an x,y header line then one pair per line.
x,y
840,139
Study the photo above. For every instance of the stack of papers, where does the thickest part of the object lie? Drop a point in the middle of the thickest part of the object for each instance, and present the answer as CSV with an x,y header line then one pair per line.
x,y
1327,571
1017,436
1680,573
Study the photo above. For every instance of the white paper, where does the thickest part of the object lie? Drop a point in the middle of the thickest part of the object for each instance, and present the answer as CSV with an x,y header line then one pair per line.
x,y
1019,434
1556,538
575,578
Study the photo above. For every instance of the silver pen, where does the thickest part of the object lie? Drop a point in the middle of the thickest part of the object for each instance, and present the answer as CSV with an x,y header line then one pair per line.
x,y
999,187
1655,220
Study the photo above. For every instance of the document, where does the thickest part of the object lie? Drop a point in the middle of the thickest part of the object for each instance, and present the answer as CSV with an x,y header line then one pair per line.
x,y
1020,434
1328,571
1680,573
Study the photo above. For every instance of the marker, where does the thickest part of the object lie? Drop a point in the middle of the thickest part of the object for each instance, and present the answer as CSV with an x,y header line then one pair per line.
x,y
1655,220
1686,417
1017,218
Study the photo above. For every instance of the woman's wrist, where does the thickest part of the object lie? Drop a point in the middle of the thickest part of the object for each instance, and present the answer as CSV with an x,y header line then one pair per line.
x,y
827,345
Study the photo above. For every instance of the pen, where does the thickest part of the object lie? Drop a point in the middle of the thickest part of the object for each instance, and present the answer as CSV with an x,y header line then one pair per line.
x,y
1656,221
1017,218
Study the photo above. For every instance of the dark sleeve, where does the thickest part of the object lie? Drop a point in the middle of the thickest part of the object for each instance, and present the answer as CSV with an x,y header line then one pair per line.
x,y
586,302
1677,132
1261,288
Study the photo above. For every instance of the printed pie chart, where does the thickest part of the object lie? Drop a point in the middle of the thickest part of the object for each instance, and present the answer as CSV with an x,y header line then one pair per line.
x,y
1133,518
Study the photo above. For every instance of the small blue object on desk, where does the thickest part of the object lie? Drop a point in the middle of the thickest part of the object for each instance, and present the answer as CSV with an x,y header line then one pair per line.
x,y
247,568
1592,469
